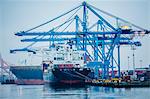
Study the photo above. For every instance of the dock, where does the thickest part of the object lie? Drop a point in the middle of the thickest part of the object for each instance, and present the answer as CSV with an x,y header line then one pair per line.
x,y
122,84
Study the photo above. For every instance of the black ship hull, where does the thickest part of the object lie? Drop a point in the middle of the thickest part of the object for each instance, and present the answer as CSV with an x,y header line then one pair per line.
x,y
72,75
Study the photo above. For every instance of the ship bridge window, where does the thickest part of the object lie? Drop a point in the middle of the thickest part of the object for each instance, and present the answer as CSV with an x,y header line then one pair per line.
x,y
60,58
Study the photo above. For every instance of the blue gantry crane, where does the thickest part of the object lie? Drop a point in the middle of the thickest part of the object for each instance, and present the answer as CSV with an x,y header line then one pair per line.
x,y
98,40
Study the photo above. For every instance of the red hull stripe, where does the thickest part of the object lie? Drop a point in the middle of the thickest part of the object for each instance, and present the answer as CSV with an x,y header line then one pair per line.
x,y
29,82
70,81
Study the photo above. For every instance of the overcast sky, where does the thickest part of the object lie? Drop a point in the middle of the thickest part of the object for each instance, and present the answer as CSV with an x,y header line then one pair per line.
x,y
20,15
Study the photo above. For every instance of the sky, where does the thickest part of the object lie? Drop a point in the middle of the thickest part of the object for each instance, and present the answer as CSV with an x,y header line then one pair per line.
x,y
20,15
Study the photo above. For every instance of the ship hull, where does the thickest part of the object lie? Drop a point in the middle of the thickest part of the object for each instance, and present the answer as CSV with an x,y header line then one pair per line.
x,y
71,75
28,75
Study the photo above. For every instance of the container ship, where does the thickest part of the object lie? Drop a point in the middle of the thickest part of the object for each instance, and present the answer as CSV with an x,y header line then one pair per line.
x,y
28,75
65,65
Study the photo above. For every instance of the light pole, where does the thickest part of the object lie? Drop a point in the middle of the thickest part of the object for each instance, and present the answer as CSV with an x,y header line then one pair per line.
x,y
141,63
128,63
133,48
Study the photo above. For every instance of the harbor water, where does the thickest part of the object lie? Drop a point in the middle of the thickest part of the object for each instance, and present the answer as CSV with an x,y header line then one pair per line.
x,y
82,92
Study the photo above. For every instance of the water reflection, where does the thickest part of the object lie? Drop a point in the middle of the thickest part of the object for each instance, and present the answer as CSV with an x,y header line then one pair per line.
x,y
82,92
71,92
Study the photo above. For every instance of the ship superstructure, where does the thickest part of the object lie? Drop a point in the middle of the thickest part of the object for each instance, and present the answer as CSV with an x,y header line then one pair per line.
x,y
66,65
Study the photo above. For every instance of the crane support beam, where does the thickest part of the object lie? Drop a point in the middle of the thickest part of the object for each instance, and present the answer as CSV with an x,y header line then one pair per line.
x,y
109,43
65,39
24,50
74,33
102,19
61,33
118,18
54,19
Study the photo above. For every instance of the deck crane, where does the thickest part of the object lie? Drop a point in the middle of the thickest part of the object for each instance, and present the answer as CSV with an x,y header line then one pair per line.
x,y
101,38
